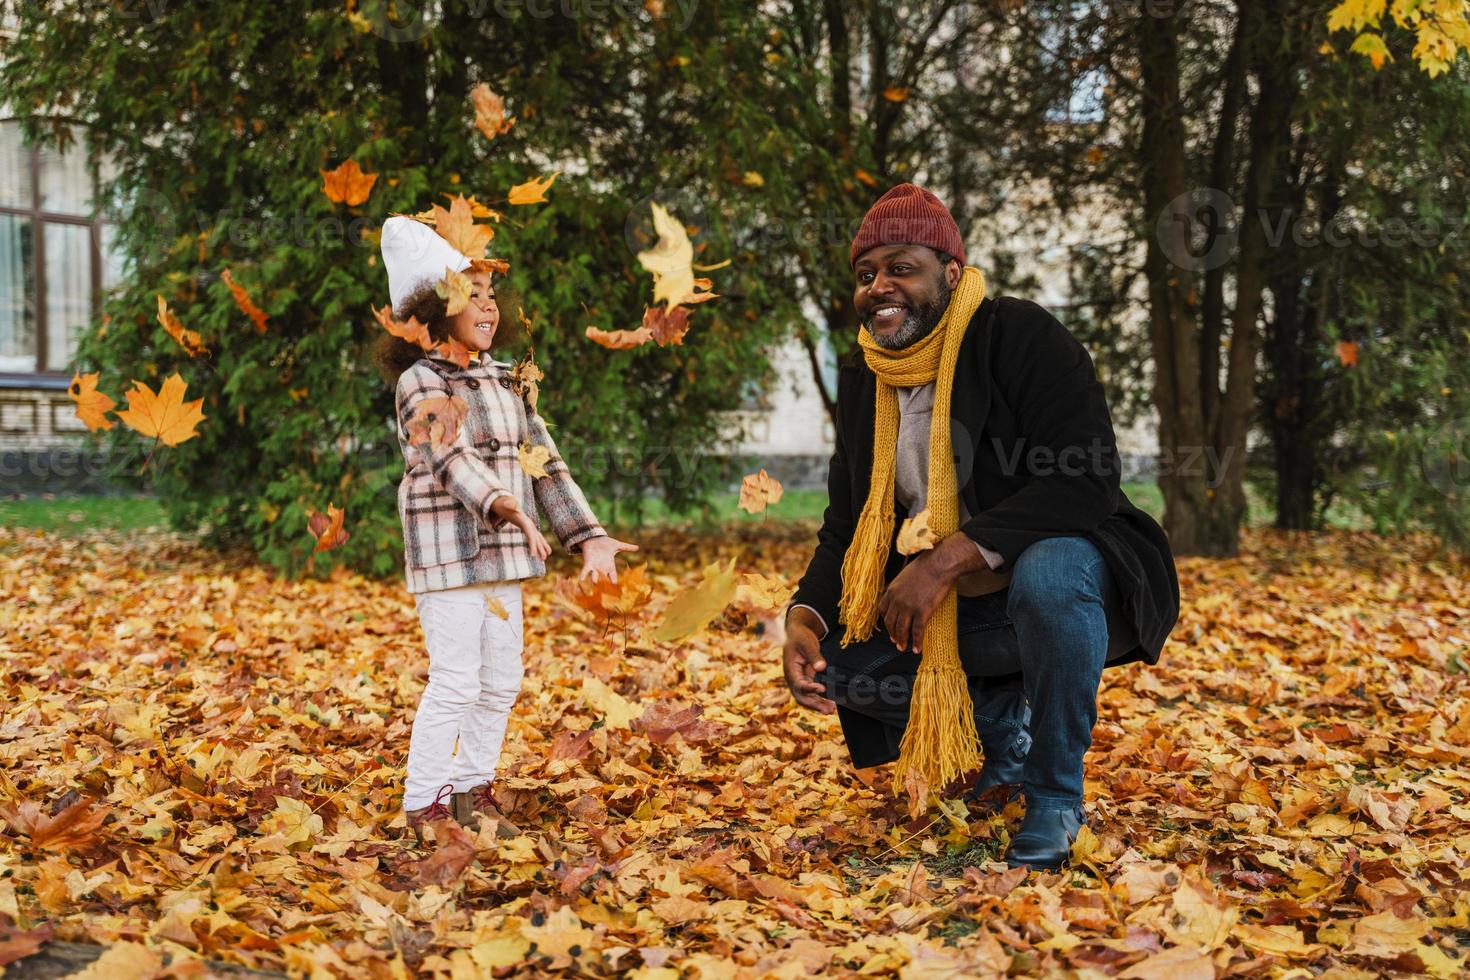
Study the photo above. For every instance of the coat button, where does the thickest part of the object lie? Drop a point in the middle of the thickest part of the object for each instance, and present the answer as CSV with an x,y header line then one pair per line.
x,y
505,382
495,445
472,383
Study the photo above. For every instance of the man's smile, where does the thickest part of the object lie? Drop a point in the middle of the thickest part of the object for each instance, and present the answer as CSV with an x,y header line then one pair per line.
x,y
887,316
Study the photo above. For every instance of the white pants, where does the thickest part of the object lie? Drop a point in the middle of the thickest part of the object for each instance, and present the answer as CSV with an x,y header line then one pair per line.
x,y
474,676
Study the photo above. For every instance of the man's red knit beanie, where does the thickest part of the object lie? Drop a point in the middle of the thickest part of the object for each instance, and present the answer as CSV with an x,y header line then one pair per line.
x,y
909,215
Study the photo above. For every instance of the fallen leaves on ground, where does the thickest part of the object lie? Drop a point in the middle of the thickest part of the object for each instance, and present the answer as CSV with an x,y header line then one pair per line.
x,y
201,759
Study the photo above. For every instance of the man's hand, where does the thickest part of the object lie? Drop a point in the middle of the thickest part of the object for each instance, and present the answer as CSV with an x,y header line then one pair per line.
x,y
802,660
597,557
507,508
908,603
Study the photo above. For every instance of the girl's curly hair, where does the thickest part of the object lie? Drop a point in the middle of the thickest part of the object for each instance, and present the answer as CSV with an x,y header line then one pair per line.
x,y
394,355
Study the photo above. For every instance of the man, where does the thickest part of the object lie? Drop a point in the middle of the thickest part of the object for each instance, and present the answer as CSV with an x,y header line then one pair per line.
x,y
1056,573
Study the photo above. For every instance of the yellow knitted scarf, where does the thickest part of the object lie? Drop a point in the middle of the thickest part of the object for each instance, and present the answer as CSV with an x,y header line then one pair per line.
x,y
940,742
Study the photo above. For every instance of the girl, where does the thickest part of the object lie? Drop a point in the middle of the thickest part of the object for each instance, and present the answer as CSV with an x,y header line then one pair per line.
x,y
470,526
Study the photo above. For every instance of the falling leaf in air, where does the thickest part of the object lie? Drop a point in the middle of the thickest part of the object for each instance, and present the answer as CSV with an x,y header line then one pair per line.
x,y
188,339
347,184
532,191
694,609
490,117
327,528
496,267
496,607
92,405
456,225
670,258
759,491
164,415
453,350
914,535
526,378
1347,353
454,289
413,331
752,178
619,339
769,592
243,301
867,179
437,421
533,459
605,598
667,325
896,93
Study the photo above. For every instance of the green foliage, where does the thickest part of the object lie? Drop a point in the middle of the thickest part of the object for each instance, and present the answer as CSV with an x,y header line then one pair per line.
x,y
218,125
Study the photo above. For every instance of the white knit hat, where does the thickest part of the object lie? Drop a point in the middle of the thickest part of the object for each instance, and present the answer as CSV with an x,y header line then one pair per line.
x,y
414,254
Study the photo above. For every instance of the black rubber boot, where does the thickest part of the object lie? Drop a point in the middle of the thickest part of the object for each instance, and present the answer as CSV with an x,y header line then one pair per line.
x,y
1044,839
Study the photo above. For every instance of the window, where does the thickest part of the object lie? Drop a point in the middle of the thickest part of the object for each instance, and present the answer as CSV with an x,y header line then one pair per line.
x,y
56,256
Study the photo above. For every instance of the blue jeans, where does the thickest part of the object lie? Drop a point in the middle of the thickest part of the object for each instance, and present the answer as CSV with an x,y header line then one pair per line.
x,y
1033,654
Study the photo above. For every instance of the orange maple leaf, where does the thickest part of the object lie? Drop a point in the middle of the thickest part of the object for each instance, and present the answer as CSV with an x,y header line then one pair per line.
x,y
413,331
456,225
327,528
532,191
347,184
619,339
92,405
1347,353
453,350
437,420
72,828
242,300
667,325
188,339
490,117
758,491
164,415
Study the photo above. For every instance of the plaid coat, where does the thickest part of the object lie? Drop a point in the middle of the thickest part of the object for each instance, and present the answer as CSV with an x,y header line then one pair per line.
x,y
450,536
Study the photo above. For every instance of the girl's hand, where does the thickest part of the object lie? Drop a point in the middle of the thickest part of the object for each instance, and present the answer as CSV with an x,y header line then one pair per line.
x,y
597,557
507,508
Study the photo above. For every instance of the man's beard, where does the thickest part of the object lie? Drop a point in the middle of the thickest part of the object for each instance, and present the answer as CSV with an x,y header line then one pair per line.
x,y
920,322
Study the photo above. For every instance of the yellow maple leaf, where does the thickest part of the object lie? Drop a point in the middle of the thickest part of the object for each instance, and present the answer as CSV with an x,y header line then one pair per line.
x,y
164,415
92,405
617,710
915,535
694,609
758,491
347,184
768,592
670,259
532,191
188,339
293,820
454,289
533,459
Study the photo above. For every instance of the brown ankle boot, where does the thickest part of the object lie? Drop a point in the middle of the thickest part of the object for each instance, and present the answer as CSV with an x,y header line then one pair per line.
x,y
481,802
424,816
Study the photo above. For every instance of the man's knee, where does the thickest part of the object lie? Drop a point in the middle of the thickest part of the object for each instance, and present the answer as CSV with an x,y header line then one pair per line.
x,y
1056,574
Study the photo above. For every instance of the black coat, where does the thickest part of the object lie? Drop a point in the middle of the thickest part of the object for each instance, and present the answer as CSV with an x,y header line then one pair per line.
x,y
1024,390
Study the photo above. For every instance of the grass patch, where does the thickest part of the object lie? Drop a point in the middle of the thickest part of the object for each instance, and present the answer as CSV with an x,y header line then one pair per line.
x,y
76,515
